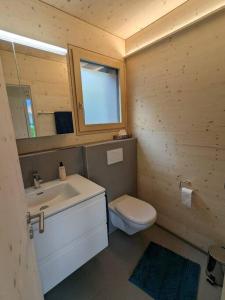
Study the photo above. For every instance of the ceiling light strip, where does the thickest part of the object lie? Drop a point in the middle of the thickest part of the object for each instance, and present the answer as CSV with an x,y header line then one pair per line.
x,y
19,39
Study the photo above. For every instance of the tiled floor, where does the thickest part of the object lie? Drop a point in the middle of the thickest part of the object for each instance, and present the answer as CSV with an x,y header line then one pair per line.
x,y
105,277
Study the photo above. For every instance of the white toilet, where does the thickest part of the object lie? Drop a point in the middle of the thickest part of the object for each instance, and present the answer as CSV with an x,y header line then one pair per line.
x,y
131,214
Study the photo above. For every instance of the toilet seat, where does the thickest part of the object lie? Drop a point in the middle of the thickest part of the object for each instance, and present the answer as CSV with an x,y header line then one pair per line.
x,y
131,215
135,210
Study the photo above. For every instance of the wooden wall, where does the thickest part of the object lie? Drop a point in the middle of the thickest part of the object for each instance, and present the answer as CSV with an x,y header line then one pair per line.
x,y
185,15
40,21
34,19
176,101
18,275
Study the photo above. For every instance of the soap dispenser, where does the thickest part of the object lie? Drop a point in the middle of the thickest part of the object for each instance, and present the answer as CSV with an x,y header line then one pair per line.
x,y
62,171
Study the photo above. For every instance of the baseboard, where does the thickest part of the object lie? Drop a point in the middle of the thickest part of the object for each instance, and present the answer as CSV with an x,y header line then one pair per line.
x,y
181,238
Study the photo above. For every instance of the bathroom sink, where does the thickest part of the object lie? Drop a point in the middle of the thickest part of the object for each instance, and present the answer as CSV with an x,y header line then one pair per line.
x,y
55,196
45,197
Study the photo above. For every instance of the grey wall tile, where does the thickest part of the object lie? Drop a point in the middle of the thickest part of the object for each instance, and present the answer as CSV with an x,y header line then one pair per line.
x,y
46,163
119,178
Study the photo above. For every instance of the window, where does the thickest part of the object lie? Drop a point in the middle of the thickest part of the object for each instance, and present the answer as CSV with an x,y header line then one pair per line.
x,y
30,118
101,98
21,110
99,91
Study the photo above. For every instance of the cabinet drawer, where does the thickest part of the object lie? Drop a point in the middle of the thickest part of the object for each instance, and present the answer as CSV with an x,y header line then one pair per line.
x,y
62,263
68,225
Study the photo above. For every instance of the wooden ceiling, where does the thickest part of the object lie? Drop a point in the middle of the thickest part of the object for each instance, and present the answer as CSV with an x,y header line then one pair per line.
x,y
119,17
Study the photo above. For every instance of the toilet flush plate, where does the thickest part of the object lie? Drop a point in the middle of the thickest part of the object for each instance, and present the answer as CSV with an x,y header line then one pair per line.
x,y
114,156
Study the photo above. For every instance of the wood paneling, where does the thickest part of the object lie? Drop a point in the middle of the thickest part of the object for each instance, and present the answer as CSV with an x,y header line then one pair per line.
x,y
176,101
18,273
40,21
185,15
120,17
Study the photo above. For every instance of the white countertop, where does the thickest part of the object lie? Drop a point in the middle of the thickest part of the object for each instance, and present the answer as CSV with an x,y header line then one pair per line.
x,y
86,189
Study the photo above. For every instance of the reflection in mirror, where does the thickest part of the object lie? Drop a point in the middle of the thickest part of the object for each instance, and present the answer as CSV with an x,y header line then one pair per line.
x,y
38,91
21,107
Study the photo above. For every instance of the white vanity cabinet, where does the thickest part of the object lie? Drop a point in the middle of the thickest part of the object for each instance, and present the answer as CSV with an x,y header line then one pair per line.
x,y
71,238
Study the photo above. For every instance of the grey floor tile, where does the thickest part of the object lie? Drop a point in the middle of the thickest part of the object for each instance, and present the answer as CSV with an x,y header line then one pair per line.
x,y
105,277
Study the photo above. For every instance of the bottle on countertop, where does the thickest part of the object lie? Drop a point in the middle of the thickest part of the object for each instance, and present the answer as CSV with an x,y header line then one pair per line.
x,y
62,171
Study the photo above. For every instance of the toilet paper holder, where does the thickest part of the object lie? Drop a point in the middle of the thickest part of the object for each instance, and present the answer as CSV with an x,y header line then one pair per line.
x,y
185,183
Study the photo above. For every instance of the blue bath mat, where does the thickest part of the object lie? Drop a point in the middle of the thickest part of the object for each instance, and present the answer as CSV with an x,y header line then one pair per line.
x,y
165,275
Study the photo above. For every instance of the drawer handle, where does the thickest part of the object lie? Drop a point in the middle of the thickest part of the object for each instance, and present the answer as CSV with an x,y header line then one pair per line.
x,y
40,217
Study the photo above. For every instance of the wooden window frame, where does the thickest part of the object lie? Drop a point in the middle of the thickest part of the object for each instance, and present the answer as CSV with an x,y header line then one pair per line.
x,y
77,54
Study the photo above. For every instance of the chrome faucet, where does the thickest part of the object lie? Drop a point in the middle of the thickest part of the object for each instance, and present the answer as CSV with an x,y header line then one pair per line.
x,y
37,180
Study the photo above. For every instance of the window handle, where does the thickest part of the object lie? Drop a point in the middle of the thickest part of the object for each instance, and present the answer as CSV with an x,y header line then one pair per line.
x,y
80,105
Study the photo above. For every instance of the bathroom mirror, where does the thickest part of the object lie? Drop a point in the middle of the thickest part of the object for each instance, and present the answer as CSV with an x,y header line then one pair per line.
x,y
37,85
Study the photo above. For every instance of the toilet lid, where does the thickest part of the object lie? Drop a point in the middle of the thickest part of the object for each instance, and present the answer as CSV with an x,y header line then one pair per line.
x,y
136,210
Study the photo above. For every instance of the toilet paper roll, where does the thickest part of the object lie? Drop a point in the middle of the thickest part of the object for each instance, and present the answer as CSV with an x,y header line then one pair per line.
x,y
186,196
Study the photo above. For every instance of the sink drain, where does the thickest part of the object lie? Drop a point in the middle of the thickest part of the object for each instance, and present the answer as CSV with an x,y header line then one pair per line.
x,y
44,207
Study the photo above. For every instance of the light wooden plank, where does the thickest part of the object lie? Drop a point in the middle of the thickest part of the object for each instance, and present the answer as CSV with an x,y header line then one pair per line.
x,y
176,95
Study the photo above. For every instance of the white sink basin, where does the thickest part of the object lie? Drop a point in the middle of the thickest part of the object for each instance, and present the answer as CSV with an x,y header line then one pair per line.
x,y
55,196
45,197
